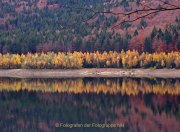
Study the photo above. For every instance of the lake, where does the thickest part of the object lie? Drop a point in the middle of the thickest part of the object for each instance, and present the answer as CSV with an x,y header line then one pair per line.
x,y
90,104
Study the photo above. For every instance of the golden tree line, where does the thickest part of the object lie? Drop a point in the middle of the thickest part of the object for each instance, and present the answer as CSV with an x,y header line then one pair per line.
x,y
112,59
128,86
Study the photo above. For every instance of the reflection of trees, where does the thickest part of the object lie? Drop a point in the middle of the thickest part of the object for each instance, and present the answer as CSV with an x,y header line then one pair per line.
x,y
127,86
33,107
27,110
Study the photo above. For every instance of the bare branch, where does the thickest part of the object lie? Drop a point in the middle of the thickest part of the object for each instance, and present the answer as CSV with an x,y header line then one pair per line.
x,y
146,11
167,3
145,5
143,16
121,13
90,17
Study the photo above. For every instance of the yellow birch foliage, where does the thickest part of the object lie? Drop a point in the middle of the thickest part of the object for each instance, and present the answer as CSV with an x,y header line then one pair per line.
x,y
128,59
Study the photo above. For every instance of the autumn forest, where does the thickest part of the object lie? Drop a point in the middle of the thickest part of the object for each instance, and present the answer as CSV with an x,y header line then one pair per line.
x,y
47,26
111,63
129,59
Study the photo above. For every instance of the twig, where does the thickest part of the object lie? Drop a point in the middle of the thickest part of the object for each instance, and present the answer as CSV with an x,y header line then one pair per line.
x,y
141,17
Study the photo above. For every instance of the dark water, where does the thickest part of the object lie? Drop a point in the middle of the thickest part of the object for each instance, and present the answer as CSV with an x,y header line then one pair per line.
x,y
132,104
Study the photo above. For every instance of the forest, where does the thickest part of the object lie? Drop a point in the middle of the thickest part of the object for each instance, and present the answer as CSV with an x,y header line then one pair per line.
x,y
45,26
60,60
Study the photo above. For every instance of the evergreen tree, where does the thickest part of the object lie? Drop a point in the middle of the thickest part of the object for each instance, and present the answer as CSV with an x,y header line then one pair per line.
x,y
143,24
135,33
178,45
153,33
167,36
148,45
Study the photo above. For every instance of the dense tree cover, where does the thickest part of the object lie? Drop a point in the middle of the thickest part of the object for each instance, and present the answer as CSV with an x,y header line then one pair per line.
x,y
129,59
64,29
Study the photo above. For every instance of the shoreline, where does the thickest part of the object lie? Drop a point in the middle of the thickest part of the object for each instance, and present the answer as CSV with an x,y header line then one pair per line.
x,y
86,72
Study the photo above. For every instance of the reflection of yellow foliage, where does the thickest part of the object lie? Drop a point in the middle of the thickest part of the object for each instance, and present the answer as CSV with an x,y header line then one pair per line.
x,y
127,86
129,59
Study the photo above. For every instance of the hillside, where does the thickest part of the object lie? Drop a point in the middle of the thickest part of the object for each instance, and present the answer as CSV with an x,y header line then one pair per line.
x,y
45,25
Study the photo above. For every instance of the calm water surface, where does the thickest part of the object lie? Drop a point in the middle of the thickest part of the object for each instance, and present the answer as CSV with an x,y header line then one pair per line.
x,y
134,104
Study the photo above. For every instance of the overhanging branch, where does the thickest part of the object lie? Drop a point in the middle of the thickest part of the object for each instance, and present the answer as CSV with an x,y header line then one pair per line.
x,y
146,11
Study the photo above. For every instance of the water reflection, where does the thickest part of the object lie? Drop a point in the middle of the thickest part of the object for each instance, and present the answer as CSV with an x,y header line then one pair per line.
x,y
139,104
128,86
